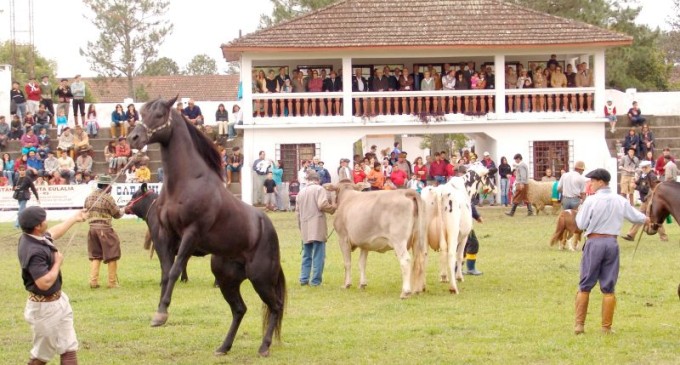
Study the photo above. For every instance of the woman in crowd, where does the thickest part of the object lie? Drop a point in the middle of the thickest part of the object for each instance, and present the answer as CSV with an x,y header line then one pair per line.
x,y
539,78
649,156
21,190
237,118
481,83
271,84
8,168
510,78
420,170
131,116
505,171
646,141
632,140
297,82
222,119
91,122
110,156
57,179
261,82
118,119
277,176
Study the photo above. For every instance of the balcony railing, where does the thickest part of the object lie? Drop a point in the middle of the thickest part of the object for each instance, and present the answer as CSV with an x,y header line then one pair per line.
x,y
442,104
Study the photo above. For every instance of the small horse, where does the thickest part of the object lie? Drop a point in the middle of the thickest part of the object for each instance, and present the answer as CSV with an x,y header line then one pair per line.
x,y
143,205
196,211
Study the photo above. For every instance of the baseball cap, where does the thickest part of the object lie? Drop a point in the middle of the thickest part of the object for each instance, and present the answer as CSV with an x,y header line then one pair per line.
x,y
599,174
31,217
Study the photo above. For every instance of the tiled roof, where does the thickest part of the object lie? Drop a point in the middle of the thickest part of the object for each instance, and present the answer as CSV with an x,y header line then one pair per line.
x,y
200,88
423,24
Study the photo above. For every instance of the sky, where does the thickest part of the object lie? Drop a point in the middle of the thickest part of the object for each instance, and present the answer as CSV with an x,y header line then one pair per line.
x,y
200,26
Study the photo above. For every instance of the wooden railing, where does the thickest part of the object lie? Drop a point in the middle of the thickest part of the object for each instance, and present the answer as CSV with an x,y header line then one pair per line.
x,y
297,105
423,102
568,100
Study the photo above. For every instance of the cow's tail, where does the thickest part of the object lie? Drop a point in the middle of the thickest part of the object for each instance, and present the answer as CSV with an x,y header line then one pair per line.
x,y
560,230
419,242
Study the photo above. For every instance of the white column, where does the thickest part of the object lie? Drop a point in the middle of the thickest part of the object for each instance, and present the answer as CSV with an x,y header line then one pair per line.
x,y
347,73
598,70
249,152
499,70
246,84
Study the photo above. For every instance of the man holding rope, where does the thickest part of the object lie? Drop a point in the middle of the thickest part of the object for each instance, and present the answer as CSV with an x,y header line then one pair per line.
x,y
600,218
103,243
48,309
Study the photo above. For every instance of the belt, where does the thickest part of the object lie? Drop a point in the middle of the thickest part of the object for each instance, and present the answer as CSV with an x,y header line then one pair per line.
x,y
600,235
44,298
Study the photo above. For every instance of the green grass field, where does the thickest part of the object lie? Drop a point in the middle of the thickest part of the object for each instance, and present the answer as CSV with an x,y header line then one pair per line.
x,y
519,312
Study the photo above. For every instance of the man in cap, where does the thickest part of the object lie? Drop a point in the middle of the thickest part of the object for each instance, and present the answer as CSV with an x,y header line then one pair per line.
x,y
48,309
644,184
311,207
572,185
78,92
600,218
103,243
628,165
521,184
344,172
493,170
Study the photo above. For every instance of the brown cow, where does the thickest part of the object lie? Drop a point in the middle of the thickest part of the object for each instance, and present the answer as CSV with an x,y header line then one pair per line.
x,y
381,221
566,229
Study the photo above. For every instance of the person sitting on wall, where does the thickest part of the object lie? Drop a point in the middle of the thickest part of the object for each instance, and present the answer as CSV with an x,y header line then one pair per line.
x,y
193,113
635,115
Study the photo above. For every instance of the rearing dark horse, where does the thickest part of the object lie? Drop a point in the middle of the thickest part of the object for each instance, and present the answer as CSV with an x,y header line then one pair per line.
x,y
196,210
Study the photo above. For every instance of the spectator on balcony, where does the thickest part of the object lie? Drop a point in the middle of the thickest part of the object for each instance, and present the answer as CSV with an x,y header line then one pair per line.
x,y
91,123
632,141
43,143
540,82
32,95
297,82
552,62
660,166
547,75
646,141
427,84
118,122
405,81
315,83
84,161
635,115
261,82
64,96
28,141
474,80
271,85
510,78
490,78
123,152
281,78
570,75
584,77
557,78
287,88
43,119
468,71
332,84
380,82
66,141
62,122
449,80
359,83
481,83
132,116
66,165
417,77
392,81
438,85
17,96
610,114
462,83
193,113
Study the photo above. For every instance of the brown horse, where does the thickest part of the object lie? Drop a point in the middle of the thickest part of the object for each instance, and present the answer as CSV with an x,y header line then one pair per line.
x,y
664,201
196,211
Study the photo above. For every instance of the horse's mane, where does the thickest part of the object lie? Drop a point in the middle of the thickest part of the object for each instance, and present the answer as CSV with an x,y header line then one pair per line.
x,y
204,146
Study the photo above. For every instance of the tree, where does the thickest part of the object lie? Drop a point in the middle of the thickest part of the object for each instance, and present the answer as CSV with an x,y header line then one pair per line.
x,y
201,64
642,65
161,67
131,31
289,9
21,71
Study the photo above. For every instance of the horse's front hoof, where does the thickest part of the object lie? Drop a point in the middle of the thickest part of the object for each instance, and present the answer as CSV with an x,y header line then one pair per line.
x,y
159,319
347,286
264,353
405,295
453,290
362,286
219,353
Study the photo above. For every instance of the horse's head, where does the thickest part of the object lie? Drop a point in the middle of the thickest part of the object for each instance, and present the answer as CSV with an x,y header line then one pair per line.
x,y
156,118
141,201
657,211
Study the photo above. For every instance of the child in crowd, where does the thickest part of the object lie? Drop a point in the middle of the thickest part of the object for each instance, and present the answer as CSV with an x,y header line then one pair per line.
x,y
143,174
610,114
43,143
389,185
16,130
131,174
270,191
415,184
62,121
91,124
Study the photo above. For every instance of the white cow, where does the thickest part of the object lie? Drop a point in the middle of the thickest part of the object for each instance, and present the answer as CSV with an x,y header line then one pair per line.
x,y
449,216
381,221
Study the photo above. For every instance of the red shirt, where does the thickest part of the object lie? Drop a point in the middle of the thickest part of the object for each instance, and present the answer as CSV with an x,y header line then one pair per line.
x,y
32,92
421,171
438,168
359,176
660,167
449,169
398,177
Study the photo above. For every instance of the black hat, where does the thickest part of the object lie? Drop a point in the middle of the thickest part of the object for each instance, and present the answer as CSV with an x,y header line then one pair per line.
x,y
599,174
31,217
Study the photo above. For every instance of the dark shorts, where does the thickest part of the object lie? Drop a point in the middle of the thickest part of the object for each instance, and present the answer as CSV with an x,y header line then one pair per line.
x,y
600,262
103,244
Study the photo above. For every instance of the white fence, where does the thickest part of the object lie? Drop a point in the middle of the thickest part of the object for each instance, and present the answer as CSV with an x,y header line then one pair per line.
x,y
651,103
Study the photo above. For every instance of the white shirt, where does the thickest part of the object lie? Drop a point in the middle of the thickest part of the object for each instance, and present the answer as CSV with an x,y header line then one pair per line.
x,y
572,184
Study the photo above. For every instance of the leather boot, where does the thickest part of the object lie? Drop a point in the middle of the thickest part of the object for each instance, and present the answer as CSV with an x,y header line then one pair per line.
x,y
608,306
530,210
581,311
113,277
512,210
69,358
94,273
36,362
228,177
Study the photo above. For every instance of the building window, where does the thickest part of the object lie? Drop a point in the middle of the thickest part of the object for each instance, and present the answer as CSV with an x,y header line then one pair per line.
x,y
555,155
291,155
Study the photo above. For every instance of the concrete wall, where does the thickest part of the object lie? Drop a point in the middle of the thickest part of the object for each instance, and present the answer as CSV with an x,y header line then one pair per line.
x,y
651,103
5,87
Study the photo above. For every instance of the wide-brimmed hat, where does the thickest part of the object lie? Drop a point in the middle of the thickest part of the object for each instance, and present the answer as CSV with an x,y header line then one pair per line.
x,y
104,180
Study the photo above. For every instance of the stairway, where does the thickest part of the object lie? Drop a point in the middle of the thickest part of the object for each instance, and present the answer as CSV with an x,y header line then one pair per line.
x,y
666,130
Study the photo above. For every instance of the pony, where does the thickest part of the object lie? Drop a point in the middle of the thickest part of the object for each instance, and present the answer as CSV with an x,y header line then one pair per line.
x,y
195,211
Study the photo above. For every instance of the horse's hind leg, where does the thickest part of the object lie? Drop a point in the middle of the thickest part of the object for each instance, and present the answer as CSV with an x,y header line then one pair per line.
x,y
229,275
271,287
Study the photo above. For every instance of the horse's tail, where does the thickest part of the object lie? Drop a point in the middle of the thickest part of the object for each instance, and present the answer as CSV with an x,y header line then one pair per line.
x,y
560,230
419,242
147,240
279,279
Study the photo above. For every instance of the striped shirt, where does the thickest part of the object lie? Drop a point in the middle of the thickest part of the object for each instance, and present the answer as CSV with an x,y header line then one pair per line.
x,y
102,209
604,211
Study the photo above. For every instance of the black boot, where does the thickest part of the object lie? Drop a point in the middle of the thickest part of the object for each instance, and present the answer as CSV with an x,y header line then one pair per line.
x,y
530,211
512,210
